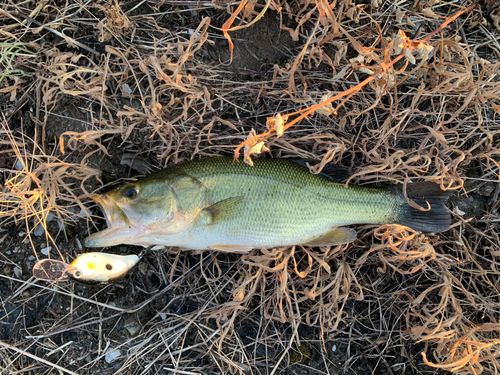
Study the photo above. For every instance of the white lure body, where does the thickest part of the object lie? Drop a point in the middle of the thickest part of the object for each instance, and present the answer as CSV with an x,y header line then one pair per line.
x,y
99,267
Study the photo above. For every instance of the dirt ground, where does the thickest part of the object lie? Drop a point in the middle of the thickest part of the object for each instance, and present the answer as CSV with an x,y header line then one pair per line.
x,y
153,83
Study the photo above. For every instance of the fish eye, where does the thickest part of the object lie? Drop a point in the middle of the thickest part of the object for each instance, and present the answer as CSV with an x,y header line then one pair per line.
x,y
131,192
109,267
77,274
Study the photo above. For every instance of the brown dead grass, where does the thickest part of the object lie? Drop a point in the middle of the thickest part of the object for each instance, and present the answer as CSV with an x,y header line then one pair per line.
x,y
394,92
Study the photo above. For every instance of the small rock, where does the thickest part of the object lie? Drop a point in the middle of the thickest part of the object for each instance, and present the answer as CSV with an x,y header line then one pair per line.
x,y
46,250
18,272
126,90
132,326
19,166
111,355
31,257
21,234
39,230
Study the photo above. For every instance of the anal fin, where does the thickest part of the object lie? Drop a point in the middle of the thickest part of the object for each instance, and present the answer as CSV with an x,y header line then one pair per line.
x,y
239,249
334,237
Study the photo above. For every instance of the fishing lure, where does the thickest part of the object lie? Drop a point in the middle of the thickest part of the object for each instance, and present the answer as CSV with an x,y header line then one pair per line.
x,y
90,268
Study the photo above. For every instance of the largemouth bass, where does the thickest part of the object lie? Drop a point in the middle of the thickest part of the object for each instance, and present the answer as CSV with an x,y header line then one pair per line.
x,y
221,204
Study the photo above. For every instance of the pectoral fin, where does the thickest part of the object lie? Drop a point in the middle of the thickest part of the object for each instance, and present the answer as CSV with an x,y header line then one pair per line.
x,y
240,249
223,210
336,236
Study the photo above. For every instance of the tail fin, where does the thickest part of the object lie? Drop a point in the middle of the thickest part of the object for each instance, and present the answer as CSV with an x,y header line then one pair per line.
x,y
435,220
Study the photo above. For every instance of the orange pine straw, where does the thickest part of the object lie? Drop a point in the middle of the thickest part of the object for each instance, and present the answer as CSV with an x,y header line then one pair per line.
x,y
358,87
227,26
447,22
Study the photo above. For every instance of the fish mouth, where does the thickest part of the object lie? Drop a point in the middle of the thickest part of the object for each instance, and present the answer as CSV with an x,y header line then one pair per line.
x,y
116,236
114,215
106,209
118,231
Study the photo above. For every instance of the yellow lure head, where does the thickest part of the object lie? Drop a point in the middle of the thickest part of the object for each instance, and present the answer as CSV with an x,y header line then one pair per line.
x,y
98,267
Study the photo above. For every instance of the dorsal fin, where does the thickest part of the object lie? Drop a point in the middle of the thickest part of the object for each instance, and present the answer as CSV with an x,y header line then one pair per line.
x,y
330,171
